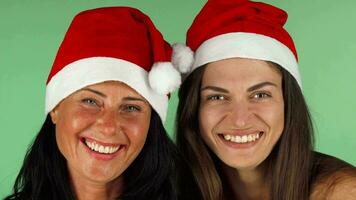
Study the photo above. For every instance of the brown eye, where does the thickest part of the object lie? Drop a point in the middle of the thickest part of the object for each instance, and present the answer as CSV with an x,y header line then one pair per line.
x,y
261,95
216,97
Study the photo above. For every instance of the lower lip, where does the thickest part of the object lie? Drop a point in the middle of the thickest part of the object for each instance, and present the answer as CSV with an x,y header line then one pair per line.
x,y
240,145
101,156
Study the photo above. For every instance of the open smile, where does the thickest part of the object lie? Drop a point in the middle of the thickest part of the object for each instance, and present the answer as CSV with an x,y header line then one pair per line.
x,y
241,140
101,148
103,151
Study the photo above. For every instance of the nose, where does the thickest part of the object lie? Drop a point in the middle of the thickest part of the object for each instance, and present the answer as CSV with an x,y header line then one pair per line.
x,y
240,114
108,122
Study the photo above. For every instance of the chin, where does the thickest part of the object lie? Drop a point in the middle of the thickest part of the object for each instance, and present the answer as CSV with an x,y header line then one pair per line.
x,y
241,163
100,174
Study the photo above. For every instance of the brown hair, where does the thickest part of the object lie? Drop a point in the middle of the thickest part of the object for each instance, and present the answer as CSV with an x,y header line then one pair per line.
x,y
288,166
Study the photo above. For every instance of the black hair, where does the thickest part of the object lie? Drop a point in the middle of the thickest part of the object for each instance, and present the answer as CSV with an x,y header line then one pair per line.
x,y
44,173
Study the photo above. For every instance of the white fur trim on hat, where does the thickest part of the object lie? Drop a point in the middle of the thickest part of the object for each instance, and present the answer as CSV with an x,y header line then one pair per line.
x,y
88,71
182,57
247,45
164,78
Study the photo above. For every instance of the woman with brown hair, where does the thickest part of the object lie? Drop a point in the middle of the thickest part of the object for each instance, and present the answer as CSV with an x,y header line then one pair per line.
x,y
243,127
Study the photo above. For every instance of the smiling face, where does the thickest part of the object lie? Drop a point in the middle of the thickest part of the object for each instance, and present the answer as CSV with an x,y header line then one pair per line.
x,y
101,129
241,112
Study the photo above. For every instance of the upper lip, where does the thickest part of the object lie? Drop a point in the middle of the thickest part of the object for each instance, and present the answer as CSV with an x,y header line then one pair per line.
x,y
102,143
240,132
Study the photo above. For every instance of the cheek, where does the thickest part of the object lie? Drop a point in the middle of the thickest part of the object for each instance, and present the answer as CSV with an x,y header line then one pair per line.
x,y
273,116
209,118
73,122
276,118
69,127
136,130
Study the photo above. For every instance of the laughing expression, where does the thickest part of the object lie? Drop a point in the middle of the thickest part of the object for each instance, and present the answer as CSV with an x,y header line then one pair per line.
x,y
101,129
241,112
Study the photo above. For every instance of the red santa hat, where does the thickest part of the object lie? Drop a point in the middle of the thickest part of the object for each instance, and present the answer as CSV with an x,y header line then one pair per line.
x,y
237,28
113,44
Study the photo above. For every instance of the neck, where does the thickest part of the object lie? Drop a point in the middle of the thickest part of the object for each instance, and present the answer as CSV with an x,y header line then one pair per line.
x,y
91,190
249,184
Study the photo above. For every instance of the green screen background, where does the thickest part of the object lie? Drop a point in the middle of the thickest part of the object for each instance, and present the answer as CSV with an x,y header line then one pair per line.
x,y
30,33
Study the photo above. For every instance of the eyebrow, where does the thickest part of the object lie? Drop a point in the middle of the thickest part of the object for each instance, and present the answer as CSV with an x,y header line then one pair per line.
x,y
260,85
125,98
134,99
214,88
95,91
250,89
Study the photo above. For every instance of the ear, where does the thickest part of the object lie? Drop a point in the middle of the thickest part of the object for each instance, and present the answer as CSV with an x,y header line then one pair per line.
x,y
54,115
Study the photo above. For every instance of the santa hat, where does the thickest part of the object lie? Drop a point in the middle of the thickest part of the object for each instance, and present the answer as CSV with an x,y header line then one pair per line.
x,y
237,28
113,44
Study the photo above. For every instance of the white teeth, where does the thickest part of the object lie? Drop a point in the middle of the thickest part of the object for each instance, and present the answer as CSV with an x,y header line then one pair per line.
x,y
242,139
227,137
114,149
238,139
101,149
106,150
91,145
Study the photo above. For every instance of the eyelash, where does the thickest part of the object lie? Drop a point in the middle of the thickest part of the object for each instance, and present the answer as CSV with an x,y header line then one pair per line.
x,y
129,108
89,101
216,97
261,95
132,108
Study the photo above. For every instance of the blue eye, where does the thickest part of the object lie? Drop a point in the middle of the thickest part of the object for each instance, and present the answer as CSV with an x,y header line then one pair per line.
x,y
131,108
90,102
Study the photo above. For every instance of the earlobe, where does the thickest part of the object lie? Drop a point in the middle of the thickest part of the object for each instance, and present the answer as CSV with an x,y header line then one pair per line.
x,y
53,115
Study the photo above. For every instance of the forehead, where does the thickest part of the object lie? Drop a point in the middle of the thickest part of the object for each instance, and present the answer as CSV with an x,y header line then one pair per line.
x,y
111,84
241,71
113,88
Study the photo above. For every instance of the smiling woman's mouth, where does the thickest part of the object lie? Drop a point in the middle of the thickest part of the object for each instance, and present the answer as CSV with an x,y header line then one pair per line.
x,y
99,148
242,139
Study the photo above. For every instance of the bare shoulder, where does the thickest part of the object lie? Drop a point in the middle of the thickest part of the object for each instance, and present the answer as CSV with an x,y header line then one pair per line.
x,y
333,179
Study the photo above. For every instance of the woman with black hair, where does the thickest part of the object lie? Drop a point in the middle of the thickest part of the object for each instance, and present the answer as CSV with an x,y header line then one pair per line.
x,y
103,137
243,126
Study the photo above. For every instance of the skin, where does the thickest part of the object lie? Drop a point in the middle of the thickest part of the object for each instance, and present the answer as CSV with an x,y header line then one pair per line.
x,y
110,113
339,185
245,97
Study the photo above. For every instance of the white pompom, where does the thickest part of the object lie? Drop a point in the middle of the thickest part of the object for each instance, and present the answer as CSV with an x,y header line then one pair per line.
x,y
182,57
164,78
